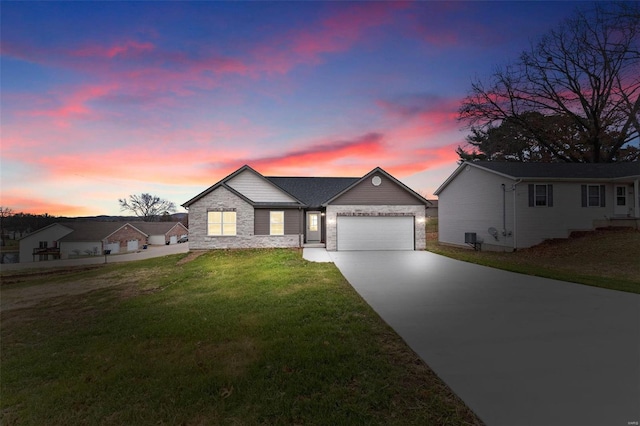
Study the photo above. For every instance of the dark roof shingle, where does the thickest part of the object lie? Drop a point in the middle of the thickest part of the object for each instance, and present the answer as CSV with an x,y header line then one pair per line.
x,y
563,170
313,191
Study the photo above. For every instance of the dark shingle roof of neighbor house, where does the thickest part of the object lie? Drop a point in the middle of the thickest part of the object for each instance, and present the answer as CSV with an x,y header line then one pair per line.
x,y
313,191
563,170
90,231
154,228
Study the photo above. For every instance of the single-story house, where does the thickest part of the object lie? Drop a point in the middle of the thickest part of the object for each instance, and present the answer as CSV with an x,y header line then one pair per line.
x,y
506,206
71,239
161,233
249,210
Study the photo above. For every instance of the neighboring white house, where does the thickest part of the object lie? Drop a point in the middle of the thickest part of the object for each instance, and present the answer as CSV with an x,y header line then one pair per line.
x,y
517,205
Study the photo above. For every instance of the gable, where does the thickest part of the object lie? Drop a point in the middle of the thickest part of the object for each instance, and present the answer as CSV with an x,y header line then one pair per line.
x,y
387,192
258,189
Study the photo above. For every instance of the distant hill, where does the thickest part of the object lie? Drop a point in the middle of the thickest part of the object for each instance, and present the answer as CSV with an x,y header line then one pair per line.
x,y
176,217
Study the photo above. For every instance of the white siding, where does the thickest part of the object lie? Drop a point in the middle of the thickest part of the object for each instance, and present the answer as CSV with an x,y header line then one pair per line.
x,y
257,189
472,202
31,241
536,224
67,248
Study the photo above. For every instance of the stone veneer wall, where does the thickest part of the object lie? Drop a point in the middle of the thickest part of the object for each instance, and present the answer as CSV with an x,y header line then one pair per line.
x,y
220,199
417,211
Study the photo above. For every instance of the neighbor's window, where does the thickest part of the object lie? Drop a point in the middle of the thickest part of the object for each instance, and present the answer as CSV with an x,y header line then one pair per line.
x,y
621,196
221,223
540,195
593,196
276,223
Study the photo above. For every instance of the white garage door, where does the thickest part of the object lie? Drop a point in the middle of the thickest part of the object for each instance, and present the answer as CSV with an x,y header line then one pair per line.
x,y
132,245
173,239
156,239
114,247
375,233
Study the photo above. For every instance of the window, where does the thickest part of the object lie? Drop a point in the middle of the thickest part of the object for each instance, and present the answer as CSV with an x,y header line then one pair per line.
x,y
621,197
313,222
540,195
276,223
221,223
593,196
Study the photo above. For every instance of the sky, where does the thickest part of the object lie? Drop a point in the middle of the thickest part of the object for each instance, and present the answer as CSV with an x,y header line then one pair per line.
x,y
100,100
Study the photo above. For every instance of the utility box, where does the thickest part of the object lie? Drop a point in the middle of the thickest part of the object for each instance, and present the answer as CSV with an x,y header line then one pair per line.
x,y
470,238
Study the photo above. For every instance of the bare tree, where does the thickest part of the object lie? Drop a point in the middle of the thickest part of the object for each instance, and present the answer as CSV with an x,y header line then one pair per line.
x,y
586,73
146,206
5,212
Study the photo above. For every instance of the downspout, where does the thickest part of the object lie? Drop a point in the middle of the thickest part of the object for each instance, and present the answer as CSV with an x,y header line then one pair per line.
x,y
515,216
504,210
300,227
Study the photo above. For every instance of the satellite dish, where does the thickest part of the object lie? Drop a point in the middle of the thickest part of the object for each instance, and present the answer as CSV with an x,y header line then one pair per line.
x,y
493,232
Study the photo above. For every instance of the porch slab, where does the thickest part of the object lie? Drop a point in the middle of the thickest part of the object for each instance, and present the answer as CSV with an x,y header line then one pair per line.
x,y
316,254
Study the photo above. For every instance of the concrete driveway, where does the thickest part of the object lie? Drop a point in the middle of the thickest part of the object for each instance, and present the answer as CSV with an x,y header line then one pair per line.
x,y
519,350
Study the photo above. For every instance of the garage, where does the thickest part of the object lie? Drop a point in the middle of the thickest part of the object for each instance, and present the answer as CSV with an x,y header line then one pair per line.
x,y
113,247
132,245
375,233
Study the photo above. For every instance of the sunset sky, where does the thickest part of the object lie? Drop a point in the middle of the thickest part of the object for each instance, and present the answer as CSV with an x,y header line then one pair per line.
x,y
105,99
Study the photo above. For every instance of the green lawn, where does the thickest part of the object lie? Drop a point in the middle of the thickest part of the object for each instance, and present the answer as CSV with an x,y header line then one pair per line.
x,y
231,337
605,258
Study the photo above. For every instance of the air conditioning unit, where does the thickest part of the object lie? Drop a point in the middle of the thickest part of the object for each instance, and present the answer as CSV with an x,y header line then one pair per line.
x,y
470,238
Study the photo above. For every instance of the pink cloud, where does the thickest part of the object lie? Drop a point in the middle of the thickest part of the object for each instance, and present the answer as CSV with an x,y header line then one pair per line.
x,y
74,102
28,203
129,48
337,33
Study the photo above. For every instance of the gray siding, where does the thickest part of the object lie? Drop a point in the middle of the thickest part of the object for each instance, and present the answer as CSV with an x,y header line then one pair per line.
x,y
257,189
388,192
292,225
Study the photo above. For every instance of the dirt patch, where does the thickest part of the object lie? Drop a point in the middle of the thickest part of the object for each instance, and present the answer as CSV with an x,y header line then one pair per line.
x,y
20,276
28,296
193,255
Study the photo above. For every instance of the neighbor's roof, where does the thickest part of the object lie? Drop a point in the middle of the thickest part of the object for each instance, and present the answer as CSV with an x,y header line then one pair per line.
x,y
92,231
551,171
155,228
313,191
563,170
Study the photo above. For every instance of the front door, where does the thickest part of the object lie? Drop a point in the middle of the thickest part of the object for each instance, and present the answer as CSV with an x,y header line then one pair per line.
x,y
621,203
313,227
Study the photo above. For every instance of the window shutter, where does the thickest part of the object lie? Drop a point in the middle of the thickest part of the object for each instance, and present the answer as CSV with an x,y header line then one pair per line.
x,y
531,195
584,195
550,195
602,196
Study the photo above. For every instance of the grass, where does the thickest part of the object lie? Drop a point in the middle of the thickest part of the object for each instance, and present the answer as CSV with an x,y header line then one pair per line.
x,y
605,258
231,337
